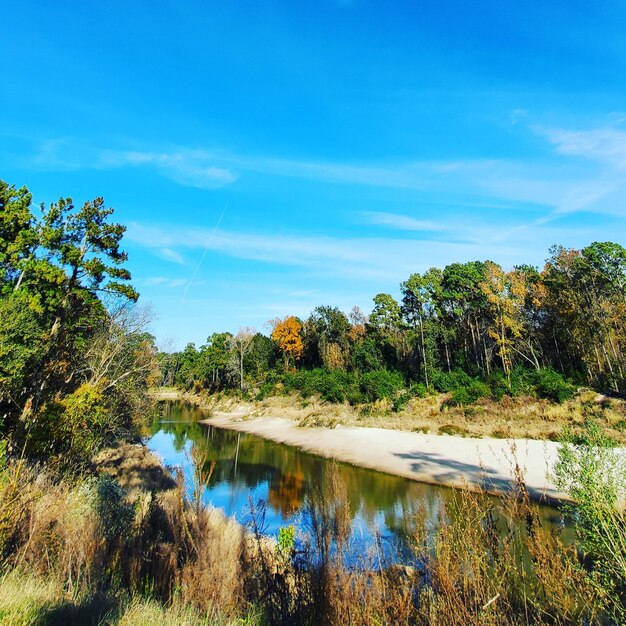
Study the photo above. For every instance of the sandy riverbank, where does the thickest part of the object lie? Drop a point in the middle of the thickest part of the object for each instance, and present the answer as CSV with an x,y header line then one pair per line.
x,y
435,459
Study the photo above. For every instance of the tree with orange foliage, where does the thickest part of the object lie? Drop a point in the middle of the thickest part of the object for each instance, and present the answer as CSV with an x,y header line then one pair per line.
x,y
286,334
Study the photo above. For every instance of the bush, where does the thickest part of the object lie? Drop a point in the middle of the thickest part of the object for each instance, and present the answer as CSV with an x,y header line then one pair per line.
x,y
469,394
266,389
401,402
552,385
332,385
380,385
75,426
498,384
593,472
445,382
521,382
418,390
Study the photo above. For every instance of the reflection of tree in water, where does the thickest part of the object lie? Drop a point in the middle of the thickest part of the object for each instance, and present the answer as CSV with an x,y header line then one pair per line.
x,y
287,493
289,473
293,477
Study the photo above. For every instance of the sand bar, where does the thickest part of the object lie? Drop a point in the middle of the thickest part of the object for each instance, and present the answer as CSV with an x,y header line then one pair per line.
x,y
435,459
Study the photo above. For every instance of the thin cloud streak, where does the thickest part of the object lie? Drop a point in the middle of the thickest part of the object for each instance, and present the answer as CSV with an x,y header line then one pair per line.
x,y
404,222
171,255
606,145
363,258
190,168
562,187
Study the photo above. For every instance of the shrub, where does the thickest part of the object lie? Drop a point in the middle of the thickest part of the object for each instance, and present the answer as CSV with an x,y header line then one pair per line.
x,y
380,385
470,393
521,382
331,385
551,385
593,472
445,382
498,384
266,389
401,402
418,390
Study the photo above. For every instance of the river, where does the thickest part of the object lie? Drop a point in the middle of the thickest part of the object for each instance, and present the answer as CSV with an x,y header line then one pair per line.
x,y
242,473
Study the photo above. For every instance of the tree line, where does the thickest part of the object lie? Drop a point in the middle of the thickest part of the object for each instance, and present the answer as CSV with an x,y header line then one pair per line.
x,y
474,325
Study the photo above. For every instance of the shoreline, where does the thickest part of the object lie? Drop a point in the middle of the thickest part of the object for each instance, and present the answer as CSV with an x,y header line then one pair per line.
x,y
446,460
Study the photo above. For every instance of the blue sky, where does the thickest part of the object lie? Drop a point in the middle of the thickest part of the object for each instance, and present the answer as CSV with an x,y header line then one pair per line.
x,y
269,157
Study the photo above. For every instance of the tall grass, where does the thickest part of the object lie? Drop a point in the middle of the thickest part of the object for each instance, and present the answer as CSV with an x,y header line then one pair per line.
x,y
161,558
481,567
88,537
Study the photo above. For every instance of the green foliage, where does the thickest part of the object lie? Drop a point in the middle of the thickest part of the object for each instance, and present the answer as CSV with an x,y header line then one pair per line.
x,y
331,385
54,268
469,393
380,385
266,389
445,382
386,315
21,343
498,385
341,386
549,384
286,539
522,382
262,356
593,472
402,400
418,390
367,356
75,425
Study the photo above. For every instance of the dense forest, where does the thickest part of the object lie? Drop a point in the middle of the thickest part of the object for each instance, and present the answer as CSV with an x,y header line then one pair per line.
x,y
472,328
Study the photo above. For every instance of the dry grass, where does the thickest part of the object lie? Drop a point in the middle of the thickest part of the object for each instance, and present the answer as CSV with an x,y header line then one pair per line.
x,y
166,560
134,467
88,534
523,417
142,612
471,571
30,600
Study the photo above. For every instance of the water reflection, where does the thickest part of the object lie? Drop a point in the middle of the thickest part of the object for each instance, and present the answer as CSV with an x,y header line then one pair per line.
x,y
245,468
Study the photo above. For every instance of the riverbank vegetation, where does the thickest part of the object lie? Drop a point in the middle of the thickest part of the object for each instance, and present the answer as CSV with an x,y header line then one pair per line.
x,y
94,531
87,552
497,351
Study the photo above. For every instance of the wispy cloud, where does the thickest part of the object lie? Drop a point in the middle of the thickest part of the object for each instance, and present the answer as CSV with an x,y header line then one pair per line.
x,y
192,168
362,258
404,222
606,145
165,282
171,255
554,185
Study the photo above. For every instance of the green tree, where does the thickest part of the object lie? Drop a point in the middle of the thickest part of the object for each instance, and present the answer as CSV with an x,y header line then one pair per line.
x,y
262,356
385,321
18,234
57,267
327,337
463,308
418,309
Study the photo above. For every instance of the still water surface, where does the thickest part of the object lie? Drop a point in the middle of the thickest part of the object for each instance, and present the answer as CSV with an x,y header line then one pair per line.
x,y
245,469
